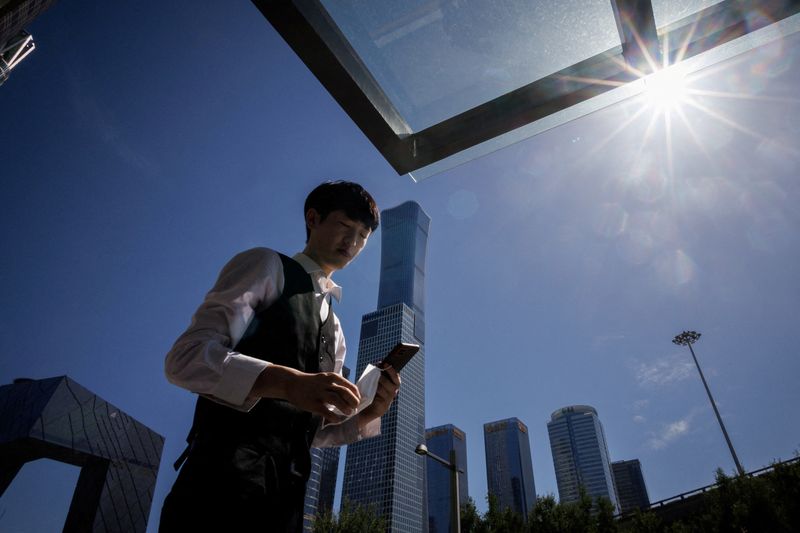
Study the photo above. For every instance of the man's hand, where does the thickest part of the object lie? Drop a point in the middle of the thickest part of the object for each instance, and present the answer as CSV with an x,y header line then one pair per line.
x,y
388,387
309,392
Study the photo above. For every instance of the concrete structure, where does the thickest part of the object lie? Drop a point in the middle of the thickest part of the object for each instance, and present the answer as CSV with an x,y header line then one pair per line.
x,y
58,419
15,42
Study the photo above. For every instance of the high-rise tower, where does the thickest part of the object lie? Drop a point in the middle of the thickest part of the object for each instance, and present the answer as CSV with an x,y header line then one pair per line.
x,y
442,440
321,485
15,42
509,468
384,471
629,485
580,454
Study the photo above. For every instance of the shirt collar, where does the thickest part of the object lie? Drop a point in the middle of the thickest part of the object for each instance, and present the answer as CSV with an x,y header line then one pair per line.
x,y
322,283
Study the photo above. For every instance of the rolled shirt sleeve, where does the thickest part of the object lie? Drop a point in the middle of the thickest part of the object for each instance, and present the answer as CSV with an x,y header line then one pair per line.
x,y
202,359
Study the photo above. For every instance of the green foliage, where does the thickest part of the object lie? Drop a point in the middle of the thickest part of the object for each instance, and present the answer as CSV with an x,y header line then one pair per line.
x,y
547,516
765,503
352,519
502,520
471,519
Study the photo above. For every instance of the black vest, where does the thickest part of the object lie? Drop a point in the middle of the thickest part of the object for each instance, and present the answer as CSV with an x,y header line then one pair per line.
x,y
288,333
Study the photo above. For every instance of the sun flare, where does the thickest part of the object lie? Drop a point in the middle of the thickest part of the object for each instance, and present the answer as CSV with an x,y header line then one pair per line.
x,y
666,90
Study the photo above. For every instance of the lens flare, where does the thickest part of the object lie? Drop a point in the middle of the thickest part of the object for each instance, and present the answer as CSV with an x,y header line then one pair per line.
x,y
666,89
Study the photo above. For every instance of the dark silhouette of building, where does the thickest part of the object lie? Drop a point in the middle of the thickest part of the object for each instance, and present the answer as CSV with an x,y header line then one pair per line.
x,y
509,467
56,418
629,483
441,440
15,42
384,471
321,486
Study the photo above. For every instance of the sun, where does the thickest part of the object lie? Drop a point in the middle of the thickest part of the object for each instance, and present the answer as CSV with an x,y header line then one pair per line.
x,y
667,89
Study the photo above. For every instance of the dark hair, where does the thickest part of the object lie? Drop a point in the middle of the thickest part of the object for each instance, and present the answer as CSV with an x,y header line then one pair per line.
x,y
350,197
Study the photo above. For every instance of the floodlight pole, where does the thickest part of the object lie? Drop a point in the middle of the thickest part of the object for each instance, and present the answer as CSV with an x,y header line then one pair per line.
x,y
452,466
687,338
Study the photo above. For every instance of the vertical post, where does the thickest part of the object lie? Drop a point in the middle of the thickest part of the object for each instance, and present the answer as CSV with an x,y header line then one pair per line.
x,y
716,412
456,518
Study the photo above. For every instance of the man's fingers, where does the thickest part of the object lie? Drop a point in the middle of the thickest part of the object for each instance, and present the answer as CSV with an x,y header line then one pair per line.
x,y
391,374
342,397
336,379
331,417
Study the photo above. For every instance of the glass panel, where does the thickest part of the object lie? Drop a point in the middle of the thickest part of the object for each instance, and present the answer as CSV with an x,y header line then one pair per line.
x,y
779,31
436,59
668,11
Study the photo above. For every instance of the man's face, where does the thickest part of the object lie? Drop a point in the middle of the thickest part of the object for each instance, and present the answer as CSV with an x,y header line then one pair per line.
x,y
334,241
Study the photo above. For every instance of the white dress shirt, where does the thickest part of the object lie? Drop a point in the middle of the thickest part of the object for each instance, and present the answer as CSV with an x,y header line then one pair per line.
x,y
202,360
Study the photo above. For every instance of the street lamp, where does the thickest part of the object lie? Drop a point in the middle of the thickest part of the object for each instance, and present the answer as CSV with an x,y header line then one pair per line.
x,y
687,338
456,511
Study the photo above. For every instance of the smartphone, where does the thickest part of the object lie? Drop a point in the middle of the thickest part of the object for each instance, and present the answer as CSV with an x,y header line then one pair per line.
x,y
400,355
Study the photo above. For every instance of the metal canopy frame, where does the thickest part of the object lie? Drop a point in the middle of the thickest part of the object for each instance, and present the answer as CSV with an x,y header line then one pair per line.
x,y
311,32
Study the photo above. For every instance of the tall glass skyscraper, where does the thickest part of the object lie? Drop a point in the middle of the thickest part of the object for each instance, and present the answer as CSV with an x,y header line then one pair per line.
x,y
441,441
509,469
384,471
629,485
580,454
321,485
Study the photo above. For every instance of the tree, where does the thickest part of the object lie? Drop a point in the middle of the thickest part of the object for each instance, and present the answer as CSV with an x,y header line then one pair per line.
x,y
502,520
471,519
353,518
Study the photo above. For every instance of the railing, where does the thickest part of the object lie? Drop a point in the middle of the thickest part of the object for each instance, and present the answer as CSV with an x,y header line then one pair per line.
x,y
684,495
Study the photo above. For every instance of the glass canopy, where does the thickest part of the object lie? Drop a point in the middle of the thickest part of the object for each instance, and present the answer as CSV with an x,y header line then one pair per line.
x,y
436,83
435,60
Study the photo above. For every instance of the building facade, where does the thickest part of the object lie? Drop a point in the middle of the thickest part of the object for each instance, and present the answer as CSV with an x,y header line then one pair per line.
x,y
321,485
59,419
629,485
443,440
15,42
384,471
509,467
580,454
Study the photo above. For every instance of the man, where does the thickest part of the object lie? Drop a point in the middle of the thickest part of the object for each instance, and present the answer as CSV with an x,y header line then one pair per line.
x,y
265,351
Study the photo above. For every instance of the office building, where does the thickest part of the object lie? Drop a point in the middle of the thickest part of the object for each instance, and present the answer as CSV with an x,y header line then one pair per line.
x,y
384,471
321,485
444,441
15,42
629,485
580,454
509,468
58,419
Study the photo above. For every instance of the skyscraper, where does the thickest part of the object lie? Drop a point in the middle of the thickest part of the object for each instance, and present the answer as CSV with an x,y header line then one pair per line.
x,y
384,471
629,485
580,454
441,441
321,485
509,469
15,42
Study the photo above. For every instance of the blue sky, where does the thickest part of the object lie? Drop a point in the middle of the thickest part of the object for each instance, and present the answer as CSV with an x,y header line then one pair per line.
x,y
144,147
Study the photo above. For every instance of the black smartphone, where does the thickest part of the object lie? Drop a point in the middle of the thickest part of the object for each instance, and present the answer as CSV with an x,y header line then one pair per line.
x,y
400,355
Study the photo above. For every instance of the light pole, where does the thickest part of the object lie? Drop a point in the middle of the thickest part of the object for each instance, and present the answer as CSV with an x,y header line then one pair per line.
x,y
687,338
451,465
